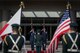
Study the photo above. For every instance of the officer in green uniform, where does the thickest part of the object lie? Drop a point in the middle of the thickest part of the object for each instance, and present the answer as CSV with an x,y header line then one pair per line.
x,y
38,41
14,42
71,40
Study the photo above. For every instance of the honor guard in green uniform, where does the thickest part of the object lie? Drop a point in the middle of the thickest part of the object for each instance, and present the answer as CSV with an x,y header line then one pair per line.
x,y
38,41
14,42
71,40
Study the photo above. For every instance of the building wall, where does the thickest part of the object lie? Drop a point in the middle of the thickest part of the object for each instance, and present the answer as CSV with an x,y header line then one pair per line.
x,y
13,6
10,7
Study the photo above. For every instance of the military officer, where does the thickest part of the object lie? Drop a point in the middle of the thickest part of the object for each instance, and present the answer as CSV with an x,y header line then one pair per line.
x,y
44,38
13,43
0,43
38,41
71,40
32,35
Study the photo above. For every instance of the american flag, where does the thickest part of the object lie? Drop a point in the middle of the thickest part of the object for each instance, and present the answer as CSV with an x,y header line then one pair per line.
x,y
62,28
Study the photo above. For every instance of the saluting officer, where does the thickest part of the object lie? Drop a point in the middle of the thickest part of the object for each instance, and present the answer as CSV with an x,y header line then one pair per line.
x,y
14,42
32,36
44,38
71,40
38,41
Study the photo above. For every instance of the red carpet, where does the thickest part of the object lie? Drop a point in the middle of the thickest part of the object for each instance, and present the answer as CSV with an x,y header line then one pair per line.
x,y
34,51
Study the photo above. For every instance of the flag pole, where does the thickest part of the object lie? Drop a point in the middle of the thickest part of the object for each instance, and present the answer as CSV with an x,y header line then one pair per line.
x,y
21,6
68,6
20,29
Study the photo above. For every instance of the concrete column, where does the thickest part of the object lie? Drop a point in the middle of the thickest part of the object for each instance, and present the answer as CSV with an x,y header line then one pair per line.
x,y
50,32
25,31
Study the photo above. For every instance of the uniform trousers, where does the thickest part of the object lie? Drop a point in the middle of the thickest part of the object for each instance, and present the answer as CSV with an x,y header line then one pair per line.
x,y
38,49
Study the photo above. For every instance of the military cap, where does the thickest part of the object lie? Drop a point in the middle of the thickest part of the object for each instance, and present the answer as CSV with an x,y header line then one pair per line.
x,y
38,30
73,24
15,25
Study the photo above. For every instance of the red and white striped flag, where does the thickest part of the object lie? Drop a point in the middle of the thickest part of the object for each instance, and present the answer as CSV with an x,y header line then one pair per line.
x,y
7,28
61,29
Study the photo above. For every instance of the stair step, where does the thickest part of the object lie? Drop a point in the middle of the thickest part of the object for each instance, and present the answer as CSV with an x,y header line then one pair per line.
x,y
28,48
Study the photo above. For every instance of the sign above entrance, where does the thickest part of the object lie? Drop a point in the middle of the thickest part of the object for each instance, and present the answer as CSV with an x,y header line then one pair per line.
x,y
45,14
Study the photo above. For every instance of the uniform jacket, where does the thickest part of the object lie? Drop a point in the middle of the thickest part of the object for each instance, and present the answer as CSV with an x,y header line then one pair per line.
x,y
10,44
38,40
32,35
67,43
44,36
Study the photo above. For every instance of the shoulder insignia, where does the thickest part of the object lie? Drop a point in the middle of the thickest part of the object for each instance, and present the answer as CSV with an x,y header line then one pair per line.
x,y
64,39
5,41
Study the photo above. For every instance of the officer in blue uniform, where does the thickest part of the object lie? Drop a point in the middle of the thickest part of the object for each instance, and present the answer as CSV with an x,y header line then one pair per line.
x,y
38,41
32,36
0,44
44,38
14,42
71,40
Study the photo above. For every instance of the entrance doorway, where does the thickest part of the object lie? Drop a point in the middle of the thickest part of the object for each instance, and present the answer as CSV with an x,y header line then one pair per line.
x,y
28,28
37,23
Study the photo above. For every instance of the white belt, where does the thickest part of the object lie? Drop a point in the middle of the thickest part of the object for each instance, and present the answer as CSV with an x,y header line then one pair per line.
x,y
73,50
15,51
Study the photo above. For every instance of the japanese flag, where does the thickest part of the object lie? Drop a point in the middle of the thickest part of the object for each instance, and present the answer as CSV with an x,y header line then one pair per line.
x,y
7,28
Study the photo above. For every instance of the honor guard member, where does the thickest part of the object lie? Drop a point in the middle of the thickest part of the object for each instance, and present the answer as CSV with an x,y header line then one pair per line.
x,y
32,35
44,38
38,41
13,43
71,40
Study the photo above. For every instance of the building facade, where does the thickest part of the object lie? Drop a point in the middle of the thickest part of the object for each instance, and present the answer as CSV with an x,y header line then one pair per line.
x,y
39,13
